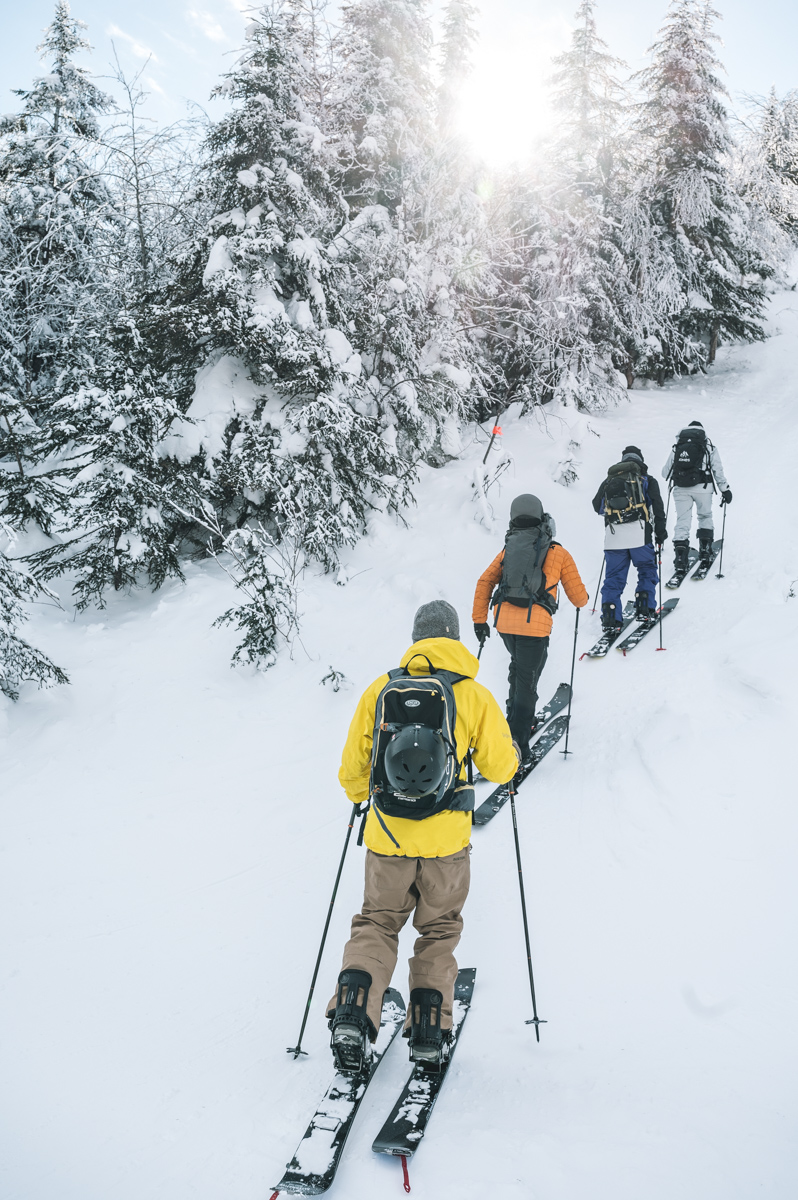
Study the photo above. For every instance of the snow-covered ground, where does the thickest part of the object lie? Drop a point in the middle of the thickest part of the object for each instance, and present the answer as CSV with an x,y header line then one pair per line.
x,y
171,830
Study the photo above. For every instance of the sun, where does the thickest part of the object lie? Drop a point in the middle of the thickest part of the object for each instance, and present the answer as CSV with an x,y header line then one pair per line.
x,y
505,106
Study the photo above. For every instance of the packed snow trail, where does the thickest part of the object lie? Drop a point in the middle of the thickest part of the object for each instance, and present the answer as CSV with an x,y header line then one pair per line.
x,y
171,830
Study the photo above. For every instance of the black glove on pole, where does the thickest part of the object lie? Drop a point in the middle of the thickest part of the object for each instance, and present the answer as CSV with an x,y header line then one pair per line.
x,y
535,1019
482,633
571,696
297,1049
722,538
726,497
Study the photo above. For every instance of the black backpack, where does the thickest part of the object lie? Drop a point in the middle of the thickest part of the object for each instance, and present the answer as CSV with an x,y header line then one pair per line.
x,y
691,458
523,582
417,700
625,498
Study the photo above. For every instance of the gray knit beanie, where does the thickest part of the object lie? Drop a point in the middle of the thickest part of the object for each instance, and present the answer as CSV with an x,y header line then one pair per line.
x,y
436,619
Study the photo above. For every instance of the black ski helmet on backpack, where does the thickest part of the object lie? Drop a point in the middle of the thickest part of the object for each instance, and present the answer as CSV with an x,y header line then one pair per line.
x,y
415,761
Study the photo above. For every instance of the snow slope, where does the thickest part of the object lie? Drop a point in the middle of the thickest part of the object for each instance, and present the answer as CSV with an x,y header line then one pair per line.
x,y
171,829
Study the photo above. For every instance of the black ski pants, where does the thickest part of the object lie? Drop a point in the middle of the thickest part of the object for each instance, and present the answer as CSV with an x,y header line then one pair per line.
x,y
527,659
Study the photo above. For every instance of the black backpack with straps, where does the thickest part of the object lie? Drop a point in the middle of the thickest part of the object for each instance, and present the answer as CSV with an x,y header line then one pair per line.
x,y
625,499
523,582
691,465
422,700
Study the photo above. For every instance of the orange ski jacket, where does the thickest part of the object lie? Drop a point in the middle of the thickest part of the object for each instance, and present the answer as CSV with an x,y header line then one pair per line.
x,y
558,567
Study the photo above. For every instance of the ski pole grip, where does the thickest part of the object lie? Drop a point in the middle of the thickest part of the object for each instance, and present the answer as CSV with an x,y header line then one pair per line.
x,y
362,813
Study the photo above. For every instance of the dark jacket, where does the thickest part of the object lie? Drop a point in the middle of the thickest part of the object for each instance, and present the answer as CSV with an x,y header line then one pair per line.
x,y
654,497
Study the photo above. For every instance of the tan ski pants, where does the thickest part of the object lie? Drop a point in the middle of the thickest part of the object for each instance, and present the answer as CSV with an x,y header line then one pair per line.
x,y
434,890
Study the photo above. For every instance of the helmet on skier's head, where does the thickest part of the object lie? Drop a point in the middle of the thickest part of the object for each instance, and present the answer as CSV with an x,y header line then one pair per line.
x,y
526,511
415,761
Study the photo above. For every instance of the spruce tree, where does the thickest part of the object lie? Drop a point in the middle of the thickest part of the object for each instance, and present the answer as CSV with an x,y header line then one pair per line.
x,y
383,105
590,100
53,283
19,661
301,456
718,272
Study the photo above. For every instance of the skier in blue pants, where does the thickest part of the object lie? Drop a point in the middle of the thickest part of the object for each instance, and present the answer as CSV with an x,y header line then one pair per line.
x,y
634,518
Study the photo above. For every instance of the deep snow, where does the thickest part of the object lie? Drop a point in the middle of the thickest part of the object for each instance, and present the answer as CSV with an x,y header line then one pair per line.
x,y
171,829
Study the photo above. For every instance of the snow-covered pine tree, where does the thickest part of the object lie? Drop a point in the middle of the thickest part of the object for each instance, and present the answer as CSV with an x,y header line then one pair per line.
x,y
767,164
407,252
284,421
383,106
590,100
719,273
457,42
565,306
53,281
19,661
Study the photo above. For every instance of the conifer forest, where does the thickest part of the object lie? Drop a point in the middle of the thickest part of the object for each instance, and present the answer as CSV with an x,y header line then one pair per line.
x,y
333,249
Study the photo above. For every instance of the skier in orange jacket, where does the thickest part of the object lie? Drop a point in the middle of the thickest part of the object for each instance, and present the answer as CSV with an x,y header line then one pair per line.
x,y
525,576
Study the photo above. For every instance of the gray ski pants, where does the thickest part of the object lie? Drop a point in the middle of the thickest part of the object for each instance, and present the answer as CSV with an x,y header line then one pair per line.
x,y
684,499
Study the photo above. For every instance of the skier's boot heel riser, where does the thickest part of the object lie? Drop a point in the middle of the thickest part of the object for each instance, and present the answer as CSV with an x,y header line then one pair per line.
x,y
352,1031
428,1042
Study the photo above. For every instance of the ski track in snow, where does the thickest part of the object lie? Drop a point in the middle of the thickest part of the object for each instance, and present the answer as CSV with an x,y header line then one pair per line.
x,y
171,830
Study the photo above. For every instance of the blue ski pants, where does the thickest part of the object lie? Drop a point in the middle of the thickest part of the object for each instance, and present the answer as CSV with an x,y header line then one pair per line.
x,y
645,559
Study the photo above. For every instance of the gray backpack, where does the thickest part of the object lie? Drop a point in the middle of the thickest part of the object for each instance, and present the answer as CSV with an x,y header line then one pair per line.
x,y
523,582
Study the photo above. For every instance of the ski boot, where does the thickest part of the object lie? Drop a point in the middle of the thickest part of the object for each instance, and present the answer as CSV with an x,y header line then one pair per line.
x,y
352,1031
429,1044
680,557
705,539
609,622
642,610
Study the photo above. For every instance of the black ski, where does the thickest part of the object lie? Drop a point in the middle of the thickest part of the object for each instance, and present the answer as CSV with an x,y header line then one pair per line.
x,y
705,568
611,635
407,1124
678,577
312,1169
497,799
558,702
647,625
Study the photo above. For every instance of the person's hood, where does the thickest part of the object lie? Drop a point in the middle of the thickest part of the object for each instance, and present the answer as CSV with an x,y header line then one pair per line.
x,y
643,467
444,653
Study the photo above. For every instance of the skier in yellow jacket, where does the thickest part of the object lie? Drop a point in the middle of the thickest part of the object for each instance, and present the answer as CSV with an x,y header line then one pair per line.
x,y
415,866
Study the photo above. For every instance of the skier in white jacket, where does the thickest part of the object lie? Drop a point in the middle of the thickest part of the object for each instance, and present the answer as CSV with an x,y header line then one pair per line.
x,y
694,469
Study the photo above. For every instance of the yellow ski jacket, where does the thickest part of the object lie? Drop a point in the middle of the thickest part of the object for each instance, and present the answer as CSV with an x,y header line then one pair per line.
x,y
480,725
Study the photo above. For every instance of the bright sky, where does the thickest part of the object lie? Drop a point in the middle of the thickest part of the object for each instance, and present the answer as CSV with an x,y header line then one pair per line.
x,y
191,43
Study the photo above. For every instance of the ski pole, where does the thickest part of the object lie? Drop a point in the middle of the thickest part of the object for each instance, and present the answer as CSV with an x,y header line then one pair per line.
x,y
659,565
495,432
598,585
297,1049
536,1021
722,544
571,695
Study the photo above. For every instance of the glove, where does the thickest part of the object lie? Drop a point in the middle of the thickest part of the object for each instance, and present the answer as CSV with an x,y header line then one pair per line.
x,y
727,497
661,537
482,632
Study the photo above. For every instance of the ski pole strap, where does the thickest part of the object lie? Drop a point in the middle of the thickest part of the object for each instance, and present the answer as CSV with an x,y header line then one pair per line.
x,y
405,1176
362,813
